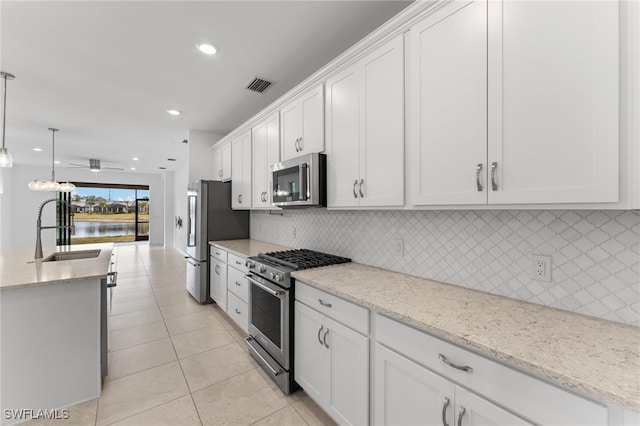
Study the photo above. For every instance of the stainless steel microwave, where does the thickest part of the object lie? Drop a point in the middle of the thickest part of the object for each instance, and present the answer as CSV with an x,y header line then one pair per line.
x,y
300,182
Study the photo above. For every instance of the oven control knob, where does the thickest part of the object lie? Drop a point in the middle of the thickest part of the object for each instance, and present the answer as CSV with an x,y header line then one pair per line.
x,y
249,264
262,270
275,277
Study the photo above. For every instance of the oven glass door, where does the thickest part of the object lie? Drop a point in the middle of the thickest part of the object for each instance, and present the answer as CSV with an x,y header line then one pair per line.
x,y
291,184
269,317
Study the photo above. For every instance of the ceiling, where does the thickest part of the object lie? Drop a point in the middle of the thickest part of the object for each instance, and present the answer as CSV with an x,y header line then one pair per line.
x,y
105,72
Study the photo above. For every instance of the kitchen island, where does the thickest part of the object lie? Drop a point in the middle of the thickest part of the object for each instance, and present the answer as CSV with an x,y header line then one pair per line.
x,y
51,316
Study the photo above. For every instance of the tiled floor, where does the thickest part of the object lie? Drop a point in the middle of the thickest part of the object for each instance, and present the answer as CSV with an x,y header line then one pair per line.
x,y
175,362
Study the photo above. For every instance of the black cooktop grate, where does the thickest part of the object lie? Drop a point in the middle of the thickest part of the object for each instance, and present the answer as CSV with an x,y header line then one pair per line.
x,y
303,259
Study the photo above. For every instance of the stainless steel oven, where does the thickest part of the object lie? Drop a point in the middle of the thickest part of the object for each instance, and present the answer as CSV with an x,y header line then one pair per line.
x,y
269,313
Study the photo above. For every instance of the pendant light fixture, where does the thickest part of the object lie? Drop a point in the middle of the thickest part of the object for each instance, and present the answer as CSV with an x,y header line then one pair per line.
x,y
51,185
5,156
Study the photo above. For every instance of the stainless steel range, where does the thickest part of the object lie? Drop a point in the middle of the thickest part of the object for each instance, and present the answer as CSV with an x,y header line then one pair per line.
x,y
271,308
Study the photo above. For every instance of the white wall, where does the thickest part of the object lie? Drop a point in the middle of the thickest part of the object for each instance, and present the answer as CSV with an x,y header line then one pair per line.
x,y
201,155
18,224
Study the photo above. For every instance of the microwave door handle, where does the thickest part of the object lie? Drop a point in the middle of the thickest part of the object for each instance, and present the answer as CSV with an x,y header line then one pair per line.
x,y
303,174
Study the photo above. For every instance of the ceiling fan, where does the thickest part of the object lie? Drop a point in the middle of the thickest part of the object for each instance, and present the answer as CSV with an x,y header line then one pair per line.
x,y
94,166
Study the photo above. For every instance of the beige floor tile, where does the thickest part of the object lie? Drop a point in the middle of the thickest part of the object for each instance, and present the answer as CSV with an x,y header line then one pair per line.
x,y
132,306
233,328
128,286
216,365
128,296
243,399
184,307
309,411
201,340
131,336
141,357
288,416
180,412
131,319
190,322
82,414
178,296
139,392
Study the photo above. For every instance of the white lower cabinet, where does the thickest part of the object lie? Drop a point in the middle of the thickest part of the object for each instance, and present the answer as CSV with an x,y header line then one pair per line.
x,y
238,292
218,282
407,393
331,363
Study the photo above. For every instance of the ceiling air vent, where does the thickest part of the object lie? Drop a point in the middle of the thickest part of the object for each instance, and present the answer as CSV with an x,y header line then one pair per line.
x,y
258,84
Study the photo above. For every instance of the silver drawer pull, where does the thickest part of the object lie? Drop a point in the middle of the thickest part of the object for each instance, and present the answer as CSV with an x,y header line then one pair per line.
x,y
456,366
323,303
237,311
360,188
478,171
238,284
445,405
238,262
355,194
494,184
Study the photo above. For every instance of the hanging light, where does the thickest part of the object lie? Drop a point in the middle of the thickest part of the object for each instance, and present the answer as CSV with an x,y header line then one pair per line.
x,y
5,156
51,185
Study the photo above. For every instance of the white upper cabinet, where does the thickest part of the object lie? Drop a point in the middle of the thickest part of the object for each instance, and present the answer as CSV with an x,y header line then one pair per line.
x,y
302,125
553,101
515,102
449,106
241,171
222,162
266,151
365,130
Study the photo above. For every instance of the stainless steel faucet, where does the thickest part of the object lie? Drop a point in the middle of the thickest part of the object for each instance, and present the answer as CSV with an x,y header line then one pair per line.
x,y
40,227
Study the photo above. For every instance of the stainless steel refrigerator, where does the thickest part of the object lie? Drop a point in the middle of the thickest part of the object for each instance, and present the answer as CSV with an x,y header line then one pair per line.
x,y
210,218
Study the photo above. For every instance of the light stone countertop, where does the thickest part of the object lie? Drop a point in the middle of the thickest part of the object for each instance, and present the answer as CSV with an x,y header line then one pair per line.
x,y
246,248
594,357
18,269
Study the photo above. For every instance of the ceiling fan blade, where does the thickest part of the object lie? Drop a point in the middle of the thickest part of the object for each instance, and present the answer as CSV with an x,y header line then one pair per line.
x,y
111,168
78,165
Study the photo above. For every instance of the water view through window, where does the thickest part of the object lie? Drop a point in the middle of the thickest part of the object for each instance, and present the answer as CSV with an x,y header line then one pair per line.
x,y
114,213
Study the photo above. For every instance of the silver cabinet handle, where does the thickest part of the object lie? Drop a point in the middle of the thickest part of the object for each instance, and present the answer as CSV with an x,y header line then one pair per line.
x,y
494,184
456,366
445,405
478,171
238,262
360,188
217,253
355,182
217,269
238,311
461,415
240,198
320,331
297,144
220,172
324,339
238,284
323,303
300,144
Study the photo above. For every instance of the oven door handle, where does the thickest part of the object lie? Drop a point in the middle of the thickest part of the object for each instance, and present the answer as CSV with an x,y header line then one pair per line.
x,y
264,287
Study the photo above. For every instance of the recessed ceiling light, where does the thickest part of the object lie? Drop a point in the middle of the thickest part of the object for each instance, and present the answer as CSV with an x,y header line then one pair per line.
x,y
207,49
135,158
56,162
133,168
173,111
37,149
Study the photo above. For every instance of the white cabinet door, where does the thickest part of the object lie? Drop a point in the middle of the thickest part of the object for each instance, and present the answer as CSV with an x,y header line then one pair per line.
x,y
241,171
553,101
311,360
218,282
302,125
343,138
382,130
266,151
217,163
225,163
406,393
312,106
449,106
472,410
348,374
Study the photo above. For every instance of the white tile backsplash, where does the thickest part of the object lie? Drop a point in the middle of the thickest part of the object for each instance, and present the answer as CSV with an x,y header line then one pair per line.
x,y
595,254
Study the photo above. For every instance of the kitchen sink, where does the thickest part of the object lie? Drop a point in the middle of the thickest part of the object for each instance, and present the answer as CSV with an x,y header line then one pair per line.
x,y
71,255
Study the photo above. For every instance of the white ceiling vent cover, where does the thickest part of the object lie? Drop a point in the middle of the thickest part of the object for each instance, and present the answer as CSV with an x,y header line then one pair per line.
x,y
258,84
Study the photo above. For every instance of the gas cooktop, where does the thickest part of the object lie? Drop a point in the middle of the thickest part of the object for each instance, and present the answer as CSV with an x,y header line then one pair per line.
x,y
302,259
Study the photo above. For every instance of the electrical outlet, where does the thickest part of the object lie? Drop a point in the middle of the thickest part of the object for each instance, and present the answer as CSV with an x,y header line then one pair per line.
x,y
541,267
398,247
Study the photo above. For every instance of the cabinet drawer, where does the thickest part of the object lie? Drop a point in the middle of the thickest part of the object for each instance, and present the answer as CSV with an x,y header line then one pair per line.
x,y
349,314
238,311
237,283
218,253
237,262
520,393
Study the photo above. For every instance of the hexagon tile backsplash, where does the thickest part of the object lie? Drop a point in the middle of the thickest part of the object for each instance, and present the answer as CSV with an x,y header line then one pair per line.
x,y
595,254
